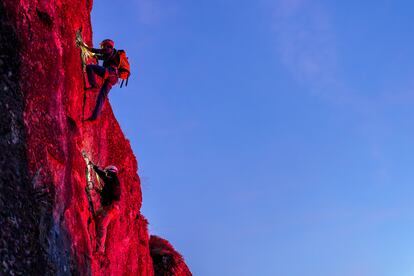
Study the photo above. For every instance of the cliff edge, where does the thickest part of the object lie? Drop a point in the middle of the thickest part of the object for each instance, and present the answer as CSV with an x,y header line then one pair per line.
x,y
46,225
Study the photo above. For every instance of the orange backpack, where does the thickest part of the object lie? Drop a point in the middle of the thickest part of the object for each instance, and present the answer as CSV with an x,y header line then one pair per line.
x,y
123,67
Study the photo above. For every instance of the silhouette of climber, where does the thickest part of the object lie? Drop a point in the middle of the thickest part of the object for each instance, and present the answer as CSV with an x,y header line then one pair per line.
x,y
108,73
110,195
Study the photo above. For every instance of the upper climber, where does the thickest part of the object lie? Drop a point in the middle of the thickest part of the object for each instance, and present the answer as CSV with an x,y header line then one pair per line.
x,y
112,68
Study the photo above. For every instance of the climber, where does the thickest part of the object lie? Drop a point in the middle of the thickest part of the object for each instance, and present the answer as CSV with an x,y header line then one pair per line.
x,y
108,73
110,195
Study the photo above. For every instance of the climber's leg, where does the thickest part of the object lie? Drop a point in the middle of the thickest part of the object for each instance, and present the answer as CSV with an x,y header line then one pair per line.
x,y
103,94
103,220
93,70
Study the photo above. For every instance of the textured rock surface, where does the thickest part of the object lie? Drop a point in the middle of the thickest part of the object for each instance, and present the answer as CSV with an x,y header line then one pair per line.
x,y
46,225
21,208
167,261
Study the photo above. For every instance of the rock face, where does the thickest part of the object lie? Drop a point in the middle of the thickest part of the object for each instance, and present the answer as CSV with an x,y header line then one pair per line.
x,y
46,225
167,261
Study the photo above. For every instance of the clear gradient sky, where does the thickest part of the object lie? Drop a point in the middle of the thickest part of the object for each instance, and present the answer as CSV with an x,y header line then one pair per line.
x,y
274,137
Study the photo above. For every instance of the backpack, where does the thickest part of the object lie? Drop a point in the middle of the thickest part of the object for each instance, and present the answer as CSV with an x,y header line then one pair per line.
x,y
123,66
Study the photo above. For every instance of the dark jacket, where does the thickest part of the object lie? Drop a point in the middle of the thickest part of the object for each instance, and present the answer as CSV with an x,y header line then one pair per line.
x,y
108,55
111,190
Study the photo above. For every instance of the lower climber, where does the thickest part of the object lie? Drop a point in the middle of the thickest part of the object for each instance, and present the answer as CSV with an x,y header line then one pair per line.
x,y
110,195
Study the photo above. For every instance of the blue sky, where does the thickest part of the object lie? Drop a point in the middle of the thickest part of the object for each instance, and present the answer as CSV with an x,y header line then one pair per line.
x,y
274,137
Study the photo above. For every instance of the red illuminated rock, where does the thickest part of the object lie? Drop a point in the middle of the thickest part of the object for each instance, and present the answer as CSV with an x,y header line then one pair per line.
x,y
167,261
47,227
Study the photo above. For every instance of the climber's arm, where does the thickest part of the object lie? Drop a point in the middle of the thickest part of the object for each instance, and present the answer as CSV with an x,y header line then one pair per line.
x,y
101,52
101,173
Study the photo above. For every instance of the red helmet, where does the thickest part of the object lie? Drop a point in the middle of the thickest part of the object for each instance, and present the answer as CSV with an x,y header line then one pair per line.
x,y
107,43
112,169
